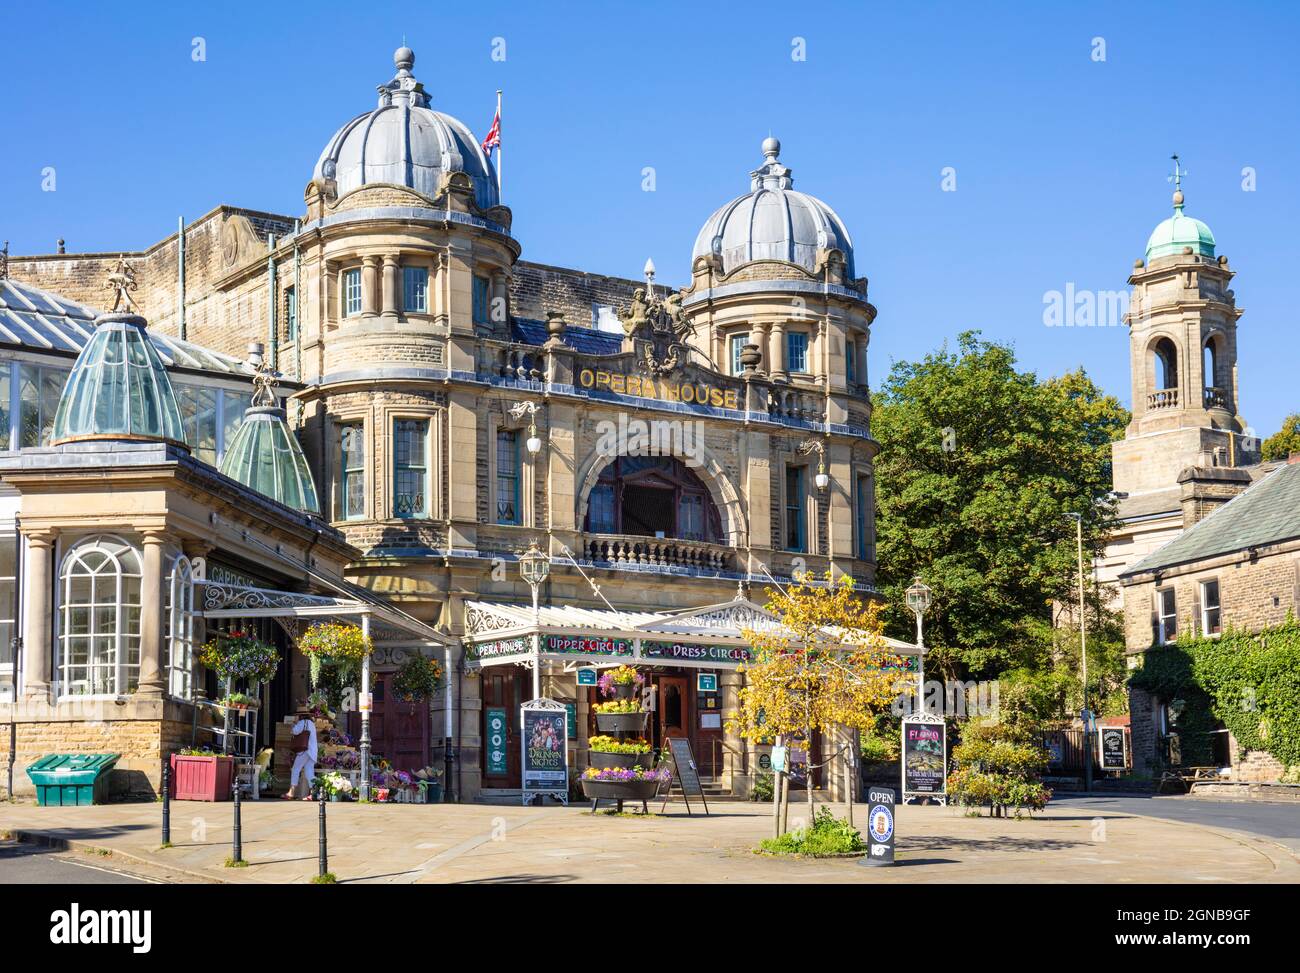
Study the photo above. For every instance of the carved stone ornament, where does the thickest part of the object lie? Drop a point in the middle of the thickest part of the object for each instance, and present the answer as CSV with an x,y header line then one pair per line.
x,y
121,281
662,327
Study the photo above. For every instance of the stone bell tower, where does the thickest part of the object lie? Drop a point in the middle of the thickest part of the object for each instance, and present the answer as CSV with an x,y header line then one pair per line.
x,y
1182,323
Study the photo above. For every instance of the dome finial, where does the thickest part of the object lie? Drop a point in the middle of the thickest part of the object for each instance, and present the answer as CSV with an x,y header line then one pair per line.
x,y
1176,177
404,59
771,148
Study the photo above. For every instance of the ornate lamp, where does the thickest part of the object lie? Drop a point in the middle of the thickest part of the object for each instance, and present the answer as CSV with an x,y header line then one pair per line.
x,y
810,446
534,568
528,408
919,597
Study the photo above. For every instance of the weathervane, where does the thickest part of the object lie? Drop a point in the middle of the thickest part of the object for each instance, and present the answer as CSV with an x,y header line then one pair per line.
x,y
264,377
1176,177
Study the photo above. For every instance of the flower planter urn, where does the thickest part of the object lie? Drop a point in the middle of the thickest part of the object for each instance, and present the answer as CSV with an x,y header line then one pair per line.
x,y
624,690
620,790
603,760
620,722
195,778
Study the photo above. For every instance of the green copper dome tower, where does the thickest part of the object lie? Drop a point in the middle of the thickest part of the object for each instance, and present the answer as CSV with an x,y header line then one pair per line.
x,y
264,454
118,389
1179,232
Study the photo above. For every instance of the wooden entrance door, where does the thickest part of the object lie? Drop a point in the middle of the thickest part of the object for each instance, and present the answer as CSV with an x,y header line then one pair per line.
x,y
399,732
502,697
673,716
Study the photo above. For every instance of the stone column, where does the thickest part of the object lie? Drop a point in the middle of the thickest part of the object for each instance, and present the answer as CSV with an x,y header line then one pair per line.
x,y
776,353
392,286
734,776
762,336
36,621
369,286
153,640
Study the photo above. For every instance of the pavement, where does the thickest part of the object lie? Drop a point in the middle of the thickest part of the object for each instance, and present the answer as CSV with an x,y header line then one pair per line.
x,y
475,843
22,863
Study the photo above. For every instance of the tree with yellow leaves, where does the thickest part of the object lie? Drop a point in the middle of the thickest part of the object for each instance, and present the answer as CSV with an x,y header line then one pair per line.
x,y
825,664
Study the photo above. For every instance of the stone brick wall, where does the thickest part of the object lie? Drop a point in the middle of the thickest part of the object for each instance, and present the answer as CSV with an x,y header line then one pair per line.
x,y
538,288
1256,766
142,744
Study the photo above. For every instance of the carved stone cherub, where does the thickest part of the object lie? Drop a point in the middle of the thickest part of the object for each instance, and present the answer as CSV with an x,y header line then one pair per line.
x,y
636,316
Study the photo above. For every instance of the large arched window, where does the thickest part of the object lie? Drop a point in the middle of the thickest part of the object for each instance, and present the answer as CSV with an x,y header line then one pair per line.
x,y
99,618
1164,362
180,627
653,496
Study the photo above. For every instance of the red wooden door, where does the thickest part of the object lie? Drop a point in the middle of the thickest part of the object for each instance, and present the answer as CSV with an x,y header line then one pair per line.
x,y
673,716
399,732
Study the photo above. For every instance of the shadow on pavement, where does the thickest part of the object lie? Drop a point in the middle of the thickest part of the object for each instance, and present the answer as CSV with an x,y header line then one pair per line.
x,y
1003,844
519,880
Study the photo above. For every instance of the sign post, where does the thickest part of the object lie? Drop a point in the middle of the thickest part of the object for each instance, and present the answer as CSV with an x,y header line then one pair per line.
x,y
545,746
880,826
925,758
1114,748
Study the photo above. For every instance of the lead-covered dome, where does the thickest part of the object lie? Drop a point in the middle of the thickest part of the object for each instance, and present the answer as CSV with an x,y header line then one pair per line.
x,y
773,222
118,389
405,142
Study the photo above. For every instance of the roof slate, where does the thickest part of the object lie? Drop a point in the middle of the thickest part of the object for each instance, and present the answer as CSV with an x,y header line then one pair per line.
x,y
1267,512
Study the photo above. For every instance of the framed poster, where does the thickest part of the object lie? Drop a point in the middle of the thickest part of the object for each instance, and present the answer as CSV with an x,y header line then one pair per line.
x,y
1112,746
925,757
496,742
545,746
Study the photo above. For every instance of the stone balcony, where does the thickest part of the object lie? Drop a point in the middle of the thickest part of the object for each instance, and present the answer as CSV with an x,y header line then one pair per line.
x,y
639,552
1214,398
1162,399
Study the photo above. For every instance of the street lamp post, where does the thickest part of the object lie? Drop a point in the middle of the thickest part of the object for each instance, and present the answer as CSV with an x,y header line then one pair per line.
x,y
1083,656
919,596
365,710
534,568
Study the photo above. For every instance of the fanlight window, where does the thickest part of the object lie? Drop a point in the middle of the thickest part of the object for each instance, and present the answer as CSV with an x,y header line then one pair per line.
x,y
99,618
653,496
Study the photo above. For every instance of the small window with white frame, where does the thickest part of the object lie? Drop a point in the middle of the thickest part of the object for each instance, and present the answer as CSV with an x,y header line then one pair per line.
x,y
8,612
1211,620
1166,616
351,292
796,351
410,468
99,618
180,629
737,343
415,289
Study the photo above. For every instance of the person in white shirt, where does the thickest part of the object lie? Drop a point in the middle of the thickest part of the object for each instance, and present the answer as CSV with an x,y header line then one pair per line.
x,y
304,761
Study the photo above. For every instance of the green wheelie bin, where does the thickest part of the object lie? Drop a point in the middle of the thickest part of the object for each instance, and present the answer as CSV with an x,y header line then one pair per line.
x,y
68,779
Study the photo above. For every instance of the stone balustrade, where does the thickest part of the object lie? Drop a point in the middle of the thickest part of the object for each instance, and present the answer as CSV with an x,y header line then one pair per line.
x,y
660,552
1162,399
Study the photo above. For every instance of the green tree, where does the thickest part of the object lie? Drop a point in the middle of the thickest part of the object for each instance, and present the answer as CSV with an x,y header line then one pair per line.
x,y
979,464
1285,441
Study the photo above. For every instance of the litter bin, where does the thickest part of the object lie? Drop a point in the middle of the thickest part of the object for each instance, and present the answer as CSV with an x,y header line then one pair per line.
x,y
69,779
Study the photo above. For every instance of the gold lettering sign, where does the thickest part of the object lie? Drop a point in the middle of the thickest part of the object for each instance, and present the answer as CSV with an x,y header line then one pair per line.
x,y
642,386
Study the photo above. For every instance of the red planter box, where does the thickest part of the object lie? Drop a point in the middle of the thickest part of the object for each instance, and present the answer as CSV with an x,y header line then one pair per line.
x,y
201,778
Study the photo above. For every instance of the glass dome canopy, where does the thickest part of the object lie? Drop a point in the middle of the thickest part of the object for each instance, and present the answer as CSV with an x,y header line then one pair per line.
x,y
119,388
265,456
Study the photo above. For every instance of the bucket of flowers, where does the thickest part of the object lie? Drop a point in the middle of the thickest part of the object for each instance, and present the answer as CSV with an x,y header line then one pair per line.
x,y
334,643
620,716
239,655
623,783
607,751
334,786
622,682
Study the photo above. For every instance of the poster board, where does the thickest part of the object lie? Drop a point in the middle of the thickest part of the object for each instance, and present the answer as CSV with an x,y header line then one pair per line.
x,y
685,773
1112,748
544,760
925,758
880,826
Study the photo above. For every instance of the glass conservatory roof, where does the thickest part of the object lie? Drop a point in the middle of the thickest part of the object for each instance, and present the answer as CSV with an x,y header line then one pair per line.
x,y
265,456
44,321
118,388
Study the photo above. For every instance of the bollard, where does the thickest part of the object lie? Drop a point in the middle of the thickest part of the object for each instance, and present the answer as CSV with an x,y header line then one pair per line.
x,y
238,855
324,849
167,806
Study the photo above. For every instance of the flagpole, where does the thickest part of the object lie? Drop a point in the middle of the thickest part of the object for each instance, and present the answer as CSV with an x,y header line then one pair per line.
x,y
499,194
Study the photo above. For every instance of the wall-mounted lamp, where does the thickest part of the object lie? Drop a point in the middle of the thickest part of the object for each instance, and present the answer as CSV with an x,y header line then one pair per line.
x,y
518,411
810,446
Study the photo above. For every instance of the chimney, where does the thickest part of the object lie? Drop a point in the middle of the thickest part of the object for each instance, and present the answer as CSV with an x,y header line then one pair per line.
x,y
1206,488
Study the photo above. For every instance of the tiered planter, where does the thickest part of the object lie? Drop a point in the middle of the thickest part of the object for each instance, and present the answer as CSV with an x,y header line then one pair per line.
x,y
624,726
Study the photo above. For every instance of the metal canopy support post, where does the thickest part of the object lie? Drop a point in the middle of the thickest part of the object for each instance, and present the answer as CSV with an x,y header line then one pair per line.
x,y
365,711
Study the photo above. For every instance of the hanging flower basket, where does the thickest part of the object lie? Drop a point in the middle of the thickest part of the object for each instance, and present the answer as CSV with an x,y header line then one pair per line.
x,y
622,682
417,679
238,655
333,643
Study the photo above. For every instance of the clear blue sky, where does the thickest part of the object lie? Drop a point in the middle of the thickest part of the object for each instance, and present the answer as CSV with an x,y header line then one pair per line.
x,y
1060,160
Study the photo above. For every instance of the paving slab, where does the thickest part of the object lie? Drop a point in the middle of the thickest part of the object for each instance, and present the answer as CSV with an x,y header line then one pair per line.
x,y
472,843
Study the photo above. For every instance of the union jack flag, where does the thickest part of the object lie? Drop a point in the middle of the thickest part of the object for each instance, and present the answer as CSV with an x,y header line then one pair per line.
x,y
493,139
